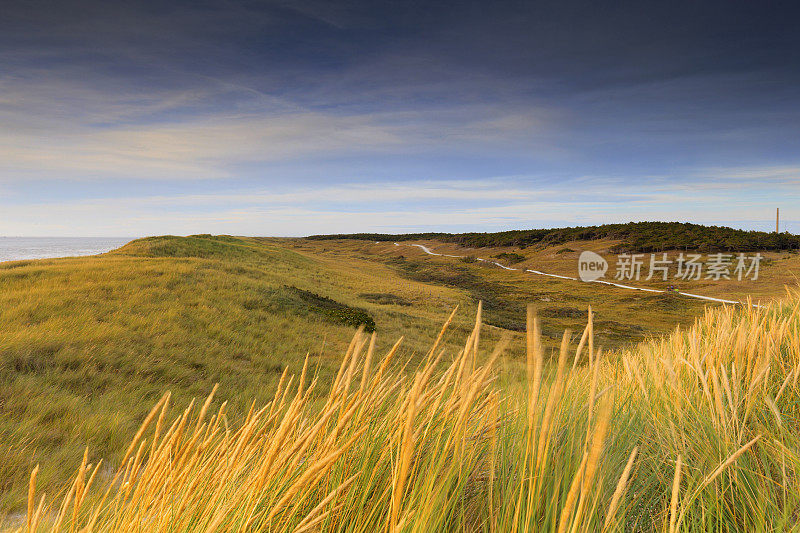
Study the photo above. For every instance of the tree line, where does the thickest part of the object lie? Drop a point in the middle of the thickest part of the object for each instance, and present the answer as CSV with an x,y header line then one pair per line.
x,y
634,237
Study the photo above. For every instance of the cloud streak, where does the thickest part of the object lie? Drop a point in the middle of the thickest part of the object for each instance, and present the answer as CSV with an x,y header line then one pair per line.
x,y
81,132
153,117
493,204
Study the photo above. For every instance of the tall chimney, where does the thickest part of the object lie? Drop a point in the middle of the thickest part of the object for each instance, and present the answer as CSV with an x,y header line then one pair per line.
x,y
777,219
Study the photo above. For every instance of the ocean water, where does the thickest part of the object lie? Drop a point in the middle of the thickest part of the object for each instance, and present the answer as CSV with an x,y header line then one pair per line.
x,y
17,248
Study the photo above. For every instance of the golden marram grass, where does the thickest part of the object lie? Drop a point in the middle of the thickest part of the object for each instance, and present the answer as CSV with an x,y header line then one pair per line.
x,y
695,431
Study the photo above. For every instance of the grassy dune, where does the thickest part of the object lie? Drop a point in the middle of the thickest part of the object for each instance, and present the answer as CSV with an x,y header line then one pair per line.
x,y
696,431
777,270
474,429
87,345
622,316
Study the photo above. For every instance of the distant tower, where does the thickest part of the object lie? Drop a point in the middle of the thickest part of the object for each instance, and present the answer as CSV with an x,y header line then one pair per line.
x,y
777,219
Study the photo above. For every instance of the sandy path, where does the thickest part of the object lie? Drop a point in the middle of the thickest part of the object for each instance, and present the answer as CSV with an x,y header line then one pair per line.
x,y
619,285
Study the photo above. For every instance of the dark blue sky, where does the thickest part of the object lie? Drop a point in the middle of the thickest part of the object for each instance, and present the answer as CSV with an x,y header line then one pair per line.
x,y
287,118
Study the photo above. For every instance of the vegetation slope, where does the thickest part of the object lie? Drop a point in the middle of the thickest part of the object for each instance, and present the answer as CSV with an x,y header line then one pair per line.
x,y
468,430
88,344
693,432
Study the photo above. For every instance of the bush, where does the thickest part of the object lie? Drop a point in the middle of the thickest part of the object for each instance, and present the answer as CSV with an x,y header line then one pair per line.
x,y
385,298
335,311
511,257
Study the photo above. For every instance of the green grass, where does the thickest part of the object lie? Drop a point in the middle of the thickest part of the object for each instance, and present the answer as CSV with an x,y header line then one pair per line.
x,y
293,300
385,298
88,344
621,318
201,246
511,257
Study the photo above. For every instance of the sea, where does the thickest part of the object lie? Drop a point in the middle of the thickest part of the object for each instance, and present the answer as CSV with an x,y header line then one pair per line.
x,y
18,248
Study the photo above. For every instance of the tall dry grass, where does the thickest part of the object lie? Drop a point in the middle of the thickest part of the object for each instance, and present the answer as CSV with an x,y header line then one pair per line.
x,y
696,431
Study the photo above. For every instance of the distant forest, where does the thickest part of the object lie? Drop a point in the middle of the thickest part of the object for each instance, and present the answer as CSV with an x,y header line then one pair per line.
x,y
634,236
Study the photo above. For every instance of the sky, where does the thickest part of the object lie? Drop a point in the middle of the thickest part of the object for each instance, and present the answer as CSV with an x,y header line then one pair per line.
x,y
296,117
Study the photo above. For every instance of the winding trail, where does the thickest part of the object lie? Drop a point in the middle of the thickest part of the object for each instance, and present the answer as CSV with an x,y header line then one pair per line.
x,y
619,285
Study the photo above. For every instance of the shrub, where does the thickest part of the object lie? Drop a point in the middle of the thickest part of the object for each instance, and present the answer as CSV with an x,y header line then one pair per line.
x,y
511,257
385,298
334,311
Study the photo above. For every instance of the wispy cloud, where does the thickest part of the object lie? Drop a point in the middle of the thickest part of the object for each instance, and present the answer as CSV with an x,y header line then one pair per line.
x,y
492,204
308,116
71,130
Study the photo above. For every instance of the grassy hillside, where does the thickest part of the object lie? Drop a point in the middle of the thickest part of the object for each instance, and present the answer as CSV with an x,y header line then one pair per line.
x,y
622,316
634,237
651,312
88,344
693,432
